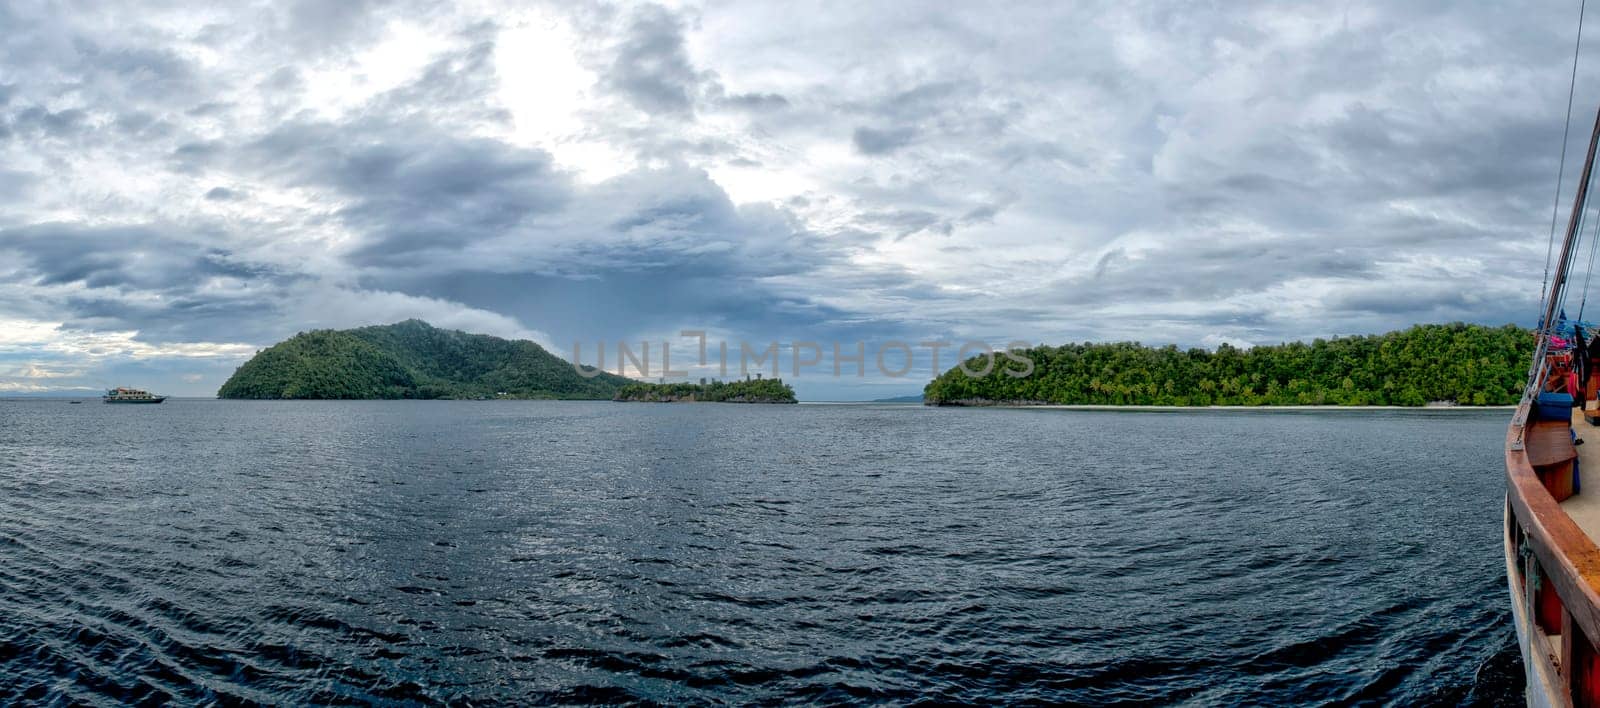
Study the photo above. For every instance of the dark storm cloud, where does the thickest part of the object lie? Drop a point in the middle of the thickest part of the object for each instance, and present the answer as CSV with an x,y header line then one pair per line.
x,y
648,250
1107,261
619,303
953,111
286,80
872,141
923,100
142,126
208,109
680,218
410,188
134,257
1382,159
184,318
196,156
317,25
982,214
651,67
903,223
756,101
1210,271
1409,300
145,72
138,278
36,121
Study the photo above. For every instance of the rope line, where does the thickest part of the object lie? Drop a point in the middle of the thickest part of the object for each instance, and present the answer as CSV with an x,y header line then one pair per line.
x,y
1560,295
1594,246
1583,223
1566,129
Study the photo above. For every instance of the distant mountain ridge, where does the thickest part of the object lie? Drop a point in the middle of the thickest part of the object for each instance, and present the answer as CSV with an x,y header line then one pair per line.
x,y
412,359
899,399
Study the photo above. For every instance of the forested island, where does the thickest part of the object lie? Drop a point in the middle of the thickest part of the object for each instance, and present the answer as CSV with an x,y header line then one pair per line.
x,y
1453,363
747,391
412,359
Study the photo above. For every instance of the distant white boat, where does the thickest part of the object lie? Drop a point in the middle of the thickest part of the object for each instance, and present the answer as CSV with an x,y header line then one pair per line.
x,y
130,395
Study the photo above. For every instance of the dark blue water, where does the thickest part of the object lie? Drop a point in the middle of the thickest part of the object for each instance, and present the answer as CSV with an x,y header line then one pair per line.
x,y
518,552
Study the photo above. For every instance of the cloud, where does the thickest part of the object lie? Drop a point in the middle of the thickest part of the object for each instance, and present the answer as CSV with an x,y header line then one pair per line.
x,y
337,308
183,182
113,256
756,101
62,342
322,25
407,188
650,66
878,142
95,295
37,122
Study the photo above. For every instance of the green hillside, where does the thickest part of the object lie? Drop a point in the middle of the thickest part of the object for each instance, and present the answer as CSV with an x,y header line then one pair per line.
x,y
1466,364
411,359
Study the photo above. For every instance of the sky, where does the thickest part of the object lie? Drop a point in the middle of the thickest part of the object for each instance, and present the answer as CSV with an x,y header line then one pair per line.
x,y
183,184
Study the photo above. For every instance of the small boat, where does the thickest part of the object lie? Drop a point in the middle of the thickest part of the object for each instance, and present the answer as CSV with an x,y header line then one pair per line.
x,y
130,395
74,403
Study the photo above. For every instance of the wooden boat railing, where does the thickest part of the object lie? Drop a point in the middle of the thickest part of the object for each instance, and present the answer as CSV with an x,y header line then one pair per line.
x,y
1568,559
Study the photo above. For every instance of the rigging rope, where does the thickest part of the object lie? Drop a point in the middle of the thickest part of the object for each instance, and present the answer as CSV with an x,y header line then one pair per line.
x,y
1566,284
1561,171
1582,217
1594,245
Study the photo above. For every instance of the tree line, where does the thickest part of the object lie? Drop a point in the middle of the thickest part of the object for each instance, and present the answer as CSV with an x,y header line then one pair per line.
x,y
747,391
1459,363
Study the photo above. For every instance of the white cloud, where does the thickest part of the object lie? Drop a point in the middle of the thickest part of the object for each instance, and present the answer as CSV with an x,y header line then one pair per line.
x,y
21,337
329,307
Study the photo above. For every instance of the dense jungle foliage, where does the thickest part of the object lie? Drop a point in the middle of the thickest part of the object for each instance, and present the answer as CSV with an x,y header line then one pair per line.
x,y
749,391
411,359
1460,363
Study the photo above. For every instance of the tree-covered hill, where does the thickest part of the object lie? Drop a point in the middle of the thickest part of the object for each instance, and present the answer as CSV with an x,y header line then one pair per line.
x,y
756,391
1466,364
411,359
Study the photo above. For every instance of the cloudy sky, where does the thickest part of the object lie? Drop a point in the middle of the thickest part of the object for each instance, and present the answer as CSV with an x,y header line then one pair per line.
x,y
182,184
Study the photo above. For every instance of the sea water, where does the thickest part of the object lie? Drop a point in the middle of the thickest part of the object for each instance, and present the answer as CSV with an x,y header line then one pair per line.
x,y
522,552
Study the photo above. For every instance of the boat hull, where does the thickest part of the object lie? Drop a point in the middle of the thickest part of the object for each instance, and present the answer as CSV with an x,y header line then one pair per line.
x,y
1543,687
134,401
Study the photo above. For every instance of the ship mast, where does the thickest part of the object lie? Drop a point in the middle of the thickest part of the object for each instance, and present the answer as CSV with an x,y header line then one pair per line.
x,y
1563,263
1553,297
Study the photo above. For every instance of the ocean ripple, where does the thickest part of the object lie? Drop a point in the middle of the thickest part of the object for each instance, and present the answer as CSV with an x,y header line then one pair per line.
x,y
552,552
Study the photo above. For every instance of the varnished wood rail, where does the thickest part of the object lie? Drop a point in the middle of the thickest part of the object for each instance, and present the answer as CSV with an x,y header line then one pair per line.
x,y
1569,559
